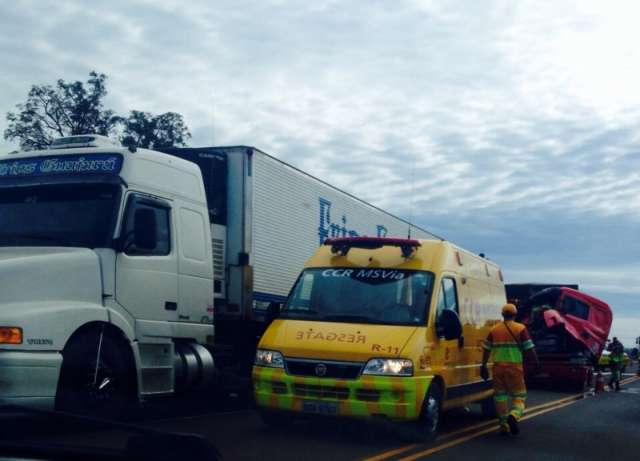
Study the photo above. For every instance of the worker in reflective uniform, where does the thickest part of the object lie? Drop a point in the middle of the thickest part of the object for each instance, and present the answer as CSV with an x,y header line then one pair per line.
x,y
615,362
508,341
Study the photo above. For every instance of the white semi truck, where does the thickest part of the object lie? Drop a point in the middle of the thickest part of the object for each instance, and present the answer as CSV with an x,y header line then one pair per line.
x,y
124,272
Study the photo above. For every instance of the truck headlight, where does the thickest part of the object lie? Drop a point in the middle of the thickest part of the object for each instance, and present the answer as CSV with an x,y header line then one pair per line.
x,y
389,367
267,358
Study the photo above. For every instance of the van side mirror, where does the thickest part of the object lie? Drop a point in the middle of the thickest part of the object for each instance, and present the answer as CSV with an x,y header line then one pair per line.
x,y
449,325
273,311
144,229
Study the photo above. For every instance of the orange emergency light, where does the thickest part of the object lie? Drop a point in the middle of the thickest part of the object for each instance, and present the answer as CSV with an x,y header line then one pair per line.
x,y
10,335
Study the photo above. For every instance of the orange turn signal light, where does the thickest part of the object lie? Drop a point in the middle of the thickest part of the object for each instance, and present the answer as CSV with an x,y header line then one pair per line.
x,y
10,335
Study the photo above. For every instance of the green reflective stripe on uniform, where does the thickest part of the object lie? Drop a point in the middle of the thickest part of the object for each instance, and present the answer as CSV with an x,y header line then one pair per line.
x,y
500,397
510,354
527,345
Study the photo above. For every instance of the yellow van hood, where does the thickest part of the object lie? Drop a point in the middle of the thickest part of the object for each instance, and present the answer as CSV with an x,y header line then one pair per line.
x,y
336,341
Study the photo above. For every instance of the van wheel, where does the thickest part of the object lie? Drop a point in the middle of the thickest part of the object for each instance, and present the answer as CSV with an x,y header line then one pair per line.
x,y
98,386
488,408
426,428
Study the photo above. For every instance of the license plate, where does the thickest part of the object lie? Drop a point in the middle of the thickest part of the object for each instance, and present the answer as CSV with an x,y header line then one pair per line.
x,y
320,408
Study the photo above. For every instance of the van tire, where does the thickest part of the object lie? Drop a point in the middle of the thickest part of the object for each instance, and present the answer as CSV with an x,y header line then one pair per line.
x,y
112,393
488,408
425,429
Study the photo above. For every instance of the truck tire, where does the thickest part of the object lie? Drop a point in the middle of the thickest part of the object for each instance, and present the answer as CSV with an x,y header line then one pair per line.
x,y
488,408
425,429
103,388
584,385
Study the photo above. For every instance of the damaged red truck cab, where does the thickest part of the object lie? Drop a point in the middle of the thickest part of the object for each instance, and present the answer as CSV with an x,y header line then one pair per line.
x,y
570,329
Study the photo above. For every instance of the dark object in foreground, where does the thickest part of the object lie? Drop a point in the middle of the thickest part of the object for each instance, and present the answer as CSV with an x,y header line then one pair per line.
x,y
144,443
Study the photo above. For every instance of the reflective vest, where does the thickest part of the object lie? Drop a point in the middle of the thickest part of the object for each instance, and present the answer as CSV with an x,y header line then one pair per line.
x,y
617,353
504,347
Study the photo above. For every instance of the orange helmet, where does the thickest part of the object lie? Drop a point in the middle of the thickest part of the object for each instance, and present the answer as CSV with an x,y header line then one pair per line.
x,y
509,309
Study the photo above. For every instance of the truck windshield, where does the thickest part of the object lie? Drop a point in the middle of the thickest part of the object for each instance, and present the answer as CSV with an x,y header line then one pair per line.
x,y
383,296
73,215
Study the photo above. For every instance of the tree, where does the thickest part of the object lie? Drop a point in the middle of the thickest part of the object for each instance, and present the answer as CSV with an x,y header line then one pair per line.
x,y
146,130
71,108
65,109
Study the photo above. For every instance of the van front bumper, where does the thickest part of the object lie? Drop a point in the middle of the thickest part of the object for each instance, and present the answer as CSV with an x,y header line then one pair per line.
x,y
396,398
29,378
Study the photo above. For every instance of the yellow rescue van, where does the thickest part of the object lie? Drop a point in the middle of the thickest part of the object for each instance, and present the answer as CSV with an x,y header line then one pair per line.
x,y
381,328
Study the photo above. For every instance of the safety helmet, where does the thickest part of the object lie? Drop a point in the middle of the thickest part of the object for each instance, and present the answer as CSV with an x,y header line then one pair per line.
x,y
509,309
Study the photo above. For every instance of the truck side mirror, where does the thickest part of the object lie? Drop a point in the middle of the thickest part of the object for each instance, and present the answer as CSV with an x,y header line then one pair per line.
x,y
449,324
144,229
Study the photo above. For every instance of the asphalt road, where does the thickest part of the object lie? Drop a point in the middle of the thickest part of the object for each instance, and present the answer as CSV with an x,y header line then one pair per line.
x,y
604,427
559,425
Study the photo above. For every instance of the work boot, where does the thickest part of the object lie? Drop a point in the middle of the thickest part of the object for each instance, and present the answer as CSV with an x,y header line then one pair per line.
x,y
504,429
617,387
513,425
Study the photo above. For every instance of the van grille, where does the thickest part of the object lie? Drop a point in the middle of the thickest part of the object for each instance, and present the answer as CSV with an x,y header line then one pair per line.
x,y
339,370
368,395
321,392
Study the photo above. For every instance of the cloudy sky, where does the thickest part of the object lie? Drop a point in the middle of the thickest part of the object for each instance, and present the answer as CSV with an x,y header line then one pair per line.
x,y
511,128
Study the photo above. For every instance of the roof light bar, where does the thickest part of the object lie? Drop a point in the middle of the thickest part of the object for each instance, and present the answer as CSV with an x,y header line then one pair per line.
x,y
343,245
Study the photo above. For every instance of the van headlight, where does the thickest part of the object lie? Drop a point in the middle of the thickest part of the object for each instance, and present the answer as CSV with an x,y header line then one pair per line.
x,y
389,367
267,358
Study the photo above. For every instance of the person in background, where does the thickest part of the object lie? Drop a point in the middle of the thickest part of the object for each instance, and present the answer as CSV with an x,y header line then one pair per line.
x,y
508,342
615,361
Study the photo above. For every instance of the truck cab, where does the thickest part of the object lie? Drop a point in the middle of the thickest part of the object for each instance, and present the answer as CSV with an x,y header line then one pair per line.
x,y
381,328
106,276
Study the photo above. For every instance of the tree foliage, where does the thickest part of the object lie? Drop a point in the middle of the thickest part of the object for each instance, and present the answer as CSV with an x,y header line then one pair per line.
x,y
146,130
70,108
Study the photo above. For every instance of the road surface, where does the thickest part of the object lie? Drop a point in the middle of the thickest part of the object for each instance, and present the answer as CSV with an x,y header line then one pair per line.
x,y
558,425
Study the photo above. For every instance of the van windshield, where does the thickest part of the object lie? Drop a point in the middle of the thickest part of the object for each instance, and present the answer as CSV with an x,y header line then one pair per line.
x,y
382,296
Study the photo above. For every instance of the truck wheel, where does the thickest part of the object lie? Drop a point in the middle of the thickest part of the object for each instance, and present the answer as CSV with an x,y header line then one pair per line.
x,y
104,386
488,408
426,428
585,385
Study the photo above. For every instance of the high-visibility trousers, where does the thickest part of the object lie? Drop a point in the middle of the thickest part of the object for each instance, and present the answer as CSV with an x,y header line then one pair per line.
x,y
615,371
508,384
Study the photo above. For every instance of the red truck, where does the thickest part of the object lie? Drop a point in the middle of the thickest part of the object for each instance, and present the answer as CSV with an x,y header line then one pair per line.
x,y
570,329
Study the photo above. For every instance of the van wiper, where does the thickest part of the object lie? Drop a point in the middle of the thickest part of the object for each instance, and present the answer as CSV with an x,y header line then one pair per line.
x,y
350,318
